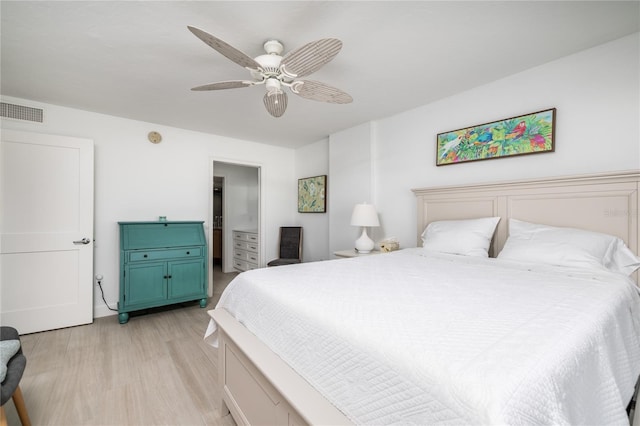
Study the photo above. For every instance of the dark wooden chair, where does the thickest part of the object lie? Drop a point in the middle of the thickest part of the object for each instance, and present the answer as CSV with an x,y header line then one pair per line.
x,y
10,387
290,246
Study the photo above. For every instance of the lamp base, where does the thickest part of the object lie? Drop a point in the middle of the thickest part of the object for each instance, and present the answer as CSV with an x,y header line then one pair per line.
x,y
364,244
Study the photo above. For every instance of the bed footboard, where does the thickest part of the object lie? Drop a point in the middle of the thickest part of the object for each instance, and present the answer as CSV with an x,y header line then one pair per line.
x,y
258,387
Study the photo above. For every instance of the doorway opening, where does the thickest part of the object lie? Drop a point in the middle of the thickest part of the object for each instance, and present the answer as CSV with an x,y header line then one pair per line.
x,y
235,206
218,200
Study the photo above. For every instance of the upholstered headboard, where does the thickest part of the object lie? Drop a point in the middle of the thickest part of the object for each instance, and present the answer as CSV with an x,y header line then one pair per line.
x,y
606,203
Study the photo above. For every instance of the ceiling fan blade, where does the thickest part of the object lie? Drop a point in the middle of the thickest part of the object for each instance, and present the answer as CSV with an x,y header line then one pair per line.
x,y
276,103
317,91
225,49
310,57
233,84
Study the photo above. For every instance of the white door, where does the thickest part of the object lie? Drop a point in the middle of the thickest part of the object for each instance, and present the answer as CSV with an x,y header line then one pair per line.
x,y
46,231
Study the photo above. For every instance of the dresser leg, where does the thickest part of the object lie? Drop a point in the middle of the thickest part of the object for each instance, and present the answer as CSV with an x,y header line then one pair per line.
x,y
203,303
123,317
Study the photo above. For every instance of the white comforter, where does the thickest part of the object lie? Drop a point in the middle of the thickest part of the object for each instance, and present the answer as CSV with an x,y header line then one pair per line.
x,y
413,339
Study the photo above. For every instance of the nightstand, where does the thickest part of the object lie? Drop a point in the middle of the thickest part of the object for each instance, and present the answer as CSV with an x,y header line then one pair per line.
x,y
354,253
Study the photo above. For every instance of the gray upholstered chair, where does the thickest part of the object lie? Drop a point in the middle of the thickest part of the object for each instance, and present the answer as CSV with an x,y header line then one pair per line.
x,y
10,387
290,246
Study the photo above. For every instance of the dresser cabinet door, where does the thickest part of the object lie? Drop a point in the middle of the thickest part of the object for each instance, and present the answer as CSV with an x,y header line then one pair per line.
x,y
187,278
145,283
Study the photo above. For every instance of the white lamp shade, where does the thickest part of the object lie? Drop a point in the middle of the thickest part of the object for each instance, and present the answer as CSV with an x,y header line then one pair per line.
x,y
364,215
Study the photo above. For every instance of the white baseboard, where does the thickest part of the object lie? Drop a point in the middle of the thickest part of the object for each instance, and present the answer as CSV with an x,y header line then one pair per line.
x,y
102,311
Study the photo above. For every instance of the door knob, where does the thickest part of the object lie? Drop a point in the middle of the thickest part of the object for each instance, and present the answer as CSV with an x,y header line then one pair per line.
x,y
82,241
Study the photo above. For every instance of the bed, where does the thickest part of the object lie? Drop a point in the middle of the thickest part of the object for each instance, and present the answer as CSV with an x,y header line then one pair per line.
x,y
488,340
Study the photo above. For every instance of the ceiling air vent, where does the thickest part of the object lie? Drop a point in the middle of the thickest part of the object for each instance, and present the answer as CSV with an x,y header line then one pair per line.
x,y
20,112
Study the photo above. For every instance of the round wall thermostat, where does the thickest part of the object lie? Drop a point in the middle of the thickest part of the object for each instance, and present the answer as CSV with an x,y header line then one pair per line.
x,y
154,137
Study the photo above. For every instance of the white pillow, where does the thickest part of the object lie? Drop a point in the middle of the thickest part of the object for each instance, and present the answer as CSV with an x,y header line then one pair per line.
x,y
466,237
553,245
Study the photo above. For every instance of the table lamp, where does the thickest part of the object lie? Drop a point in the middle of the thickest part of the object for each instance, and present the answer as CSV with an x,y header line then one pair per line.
x,y
364,215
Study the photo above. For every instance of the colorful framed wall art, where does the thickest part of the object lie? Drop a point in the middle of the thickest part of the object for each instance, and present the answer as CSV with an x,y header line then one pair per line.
x,y
312,194
524,134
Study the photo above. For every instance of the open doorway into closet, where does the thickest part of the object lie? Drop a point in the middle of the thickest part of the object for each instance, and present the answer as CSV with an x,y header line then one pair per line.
x,y
235,207
218,201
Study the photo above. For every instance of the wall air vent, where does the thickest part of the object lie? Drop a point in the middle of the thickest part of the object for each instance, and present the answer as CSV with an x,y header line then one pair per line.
x,y
20,112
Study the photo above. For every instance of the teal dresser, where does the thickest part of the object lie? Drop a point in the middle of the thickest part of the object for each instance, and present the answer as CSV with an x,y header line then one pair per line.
x,y
161,263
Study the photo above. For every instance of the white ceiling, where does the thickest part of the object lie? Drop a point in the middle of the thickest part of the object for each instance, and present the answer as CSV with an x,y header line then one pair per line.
x,y
138,60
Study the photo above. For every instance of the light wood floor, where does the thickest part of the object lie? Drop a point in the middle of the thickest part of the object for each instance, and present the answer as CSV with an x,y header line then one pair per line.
x,y
154,370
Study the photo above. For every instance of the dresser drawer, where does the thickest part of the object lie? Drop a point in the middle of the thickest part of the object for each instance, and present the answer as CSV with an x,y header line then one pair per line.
x,y
243,245
245,255
245,236
240,265
243,265
136,256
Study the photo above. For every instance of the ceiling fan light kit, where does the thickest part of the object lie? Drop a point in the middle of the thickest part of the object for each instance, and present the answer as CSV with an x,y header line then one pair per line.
x,y
273,85
276,71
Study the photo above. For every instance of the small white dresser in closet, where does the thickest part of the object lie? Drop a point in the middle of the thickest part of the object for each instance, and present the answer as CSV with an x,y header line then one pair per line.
x,y
246,250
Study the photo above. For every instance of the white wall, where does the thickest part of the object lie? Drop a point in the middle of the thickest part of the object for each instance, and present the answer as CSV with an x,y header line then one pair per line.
x,y
351,160
137,180
313,160
596,93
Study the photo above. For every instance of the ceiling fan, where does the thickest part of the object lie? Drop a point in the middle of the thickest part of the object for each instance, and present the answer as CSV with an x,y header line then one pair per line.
x,y
276,71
